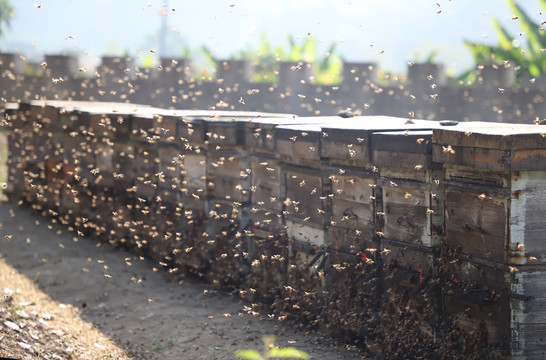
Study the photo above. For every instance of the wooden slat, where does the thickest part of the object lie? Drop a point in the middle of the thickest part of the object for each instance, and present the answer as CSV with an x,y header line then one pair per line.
x,y
407,215
306,232
266,183
303,197
527,226
477,225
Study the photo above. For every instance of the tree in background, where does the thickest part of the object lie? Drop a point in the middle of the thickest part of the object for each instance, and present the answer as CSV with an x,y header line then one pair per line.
x,y
6,13
531,59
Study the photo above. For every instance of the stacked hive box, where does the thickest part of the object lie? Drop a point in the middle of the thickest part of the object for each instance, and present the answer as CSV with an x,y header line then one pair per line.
x,y
370,164
26,171
353,224
274,210
305,217
267,180
494,190
229,182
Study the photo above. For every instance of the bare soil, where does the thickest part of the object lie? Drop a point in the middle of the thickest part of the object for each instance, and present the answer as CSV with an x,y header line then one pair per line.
x,y
68,297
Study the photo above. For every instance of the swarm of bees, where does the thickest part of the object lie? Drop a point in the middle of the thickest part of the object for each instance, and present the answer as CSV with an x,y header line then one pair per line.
x,y
272,224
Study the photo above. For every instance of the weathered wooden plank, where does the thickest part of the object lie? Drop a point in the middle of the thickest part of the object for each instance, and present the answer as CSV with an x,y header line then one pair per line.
x,y
304,231
472,175
168,167
266,183
469,313
165,126
490,159
350,241
229,177
191,130
528,159
124,164
266,220
141,127
145,170
224,211
195,172
418,260
104,167
477,225
304,197
492,135
352,215
527,226
298,141
351,140
226,132
407,215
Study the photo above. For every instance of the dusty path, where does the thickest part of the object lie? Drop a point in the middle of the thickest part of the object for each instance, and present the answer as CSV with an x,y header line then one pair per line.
x,y
142,310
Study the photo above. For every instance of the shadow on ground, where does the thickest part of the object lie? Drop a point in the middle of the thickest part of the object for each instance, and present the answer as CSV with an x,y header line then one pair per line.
x,y
140,307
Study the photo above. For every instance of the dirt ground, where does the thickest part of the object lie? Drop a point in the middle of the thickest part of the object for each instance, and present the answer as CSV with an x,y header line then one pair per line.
x,y
82,299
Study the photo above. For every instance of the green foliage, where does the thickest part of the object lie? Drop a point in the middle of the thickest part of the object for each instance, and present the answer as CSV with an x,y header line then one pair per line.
x,y
531,60
266,58
6,14
271,351
428,59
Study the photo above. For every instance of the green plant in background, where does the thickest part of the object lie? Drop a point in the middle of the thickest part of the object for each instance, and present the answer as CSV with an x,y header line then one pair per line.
x,y
271,351
209,62
266,58
531,60
6,14
430,58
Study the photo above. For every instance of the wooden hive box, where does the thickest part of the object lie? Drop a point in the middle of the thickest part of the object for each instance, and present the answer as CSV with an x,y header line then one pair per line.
x,y
412,200
228,177
305,202
146,156
494,188
191,129
165,127
267,173
124,163
169,174
353,209
145,170
349,149
142,126
259,132
266,195
350,142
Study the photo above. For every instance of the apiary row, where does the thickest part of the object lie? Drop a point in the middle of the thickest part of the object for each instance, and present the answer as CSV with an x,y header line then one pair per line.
x,y
407,236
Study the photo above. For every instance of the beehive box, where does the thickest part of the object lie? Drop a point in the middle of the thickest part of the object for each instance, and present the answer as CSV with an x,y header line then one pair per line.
x,y
412,198
267,173
494,179
306,186
265,194
124,162
259,132
350,142
169,174
146,156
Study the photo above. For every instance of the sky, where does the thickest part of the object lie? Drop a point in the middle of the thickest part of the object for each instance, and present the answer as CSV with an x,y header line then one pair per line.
x,y
389,32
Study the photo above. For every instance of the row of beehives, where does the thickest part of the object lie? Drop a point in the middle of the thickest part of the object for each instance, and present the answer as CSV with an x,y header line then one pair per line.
x,y
369,227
